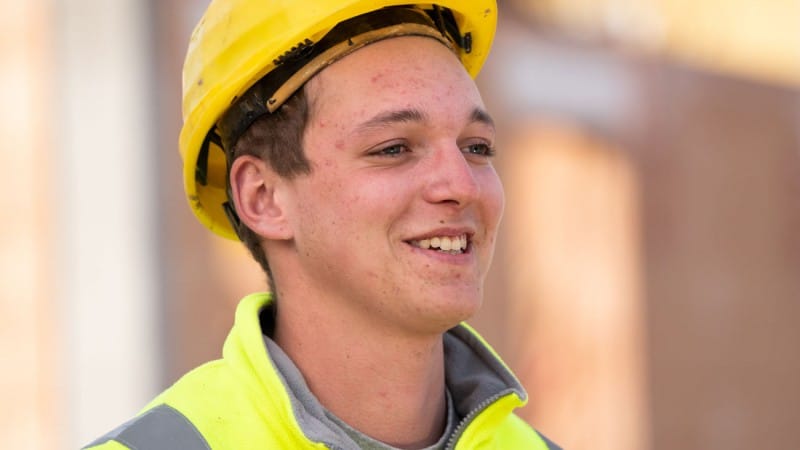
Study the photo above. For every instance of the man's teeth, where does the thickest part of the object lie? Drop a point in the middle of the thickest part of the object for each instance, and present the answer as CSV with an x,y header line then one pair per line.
x,y
453,244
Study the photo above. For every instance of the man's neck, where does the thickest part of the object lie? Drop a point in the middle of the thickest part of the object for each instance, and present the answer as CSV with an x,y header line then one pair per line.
x,y
388,386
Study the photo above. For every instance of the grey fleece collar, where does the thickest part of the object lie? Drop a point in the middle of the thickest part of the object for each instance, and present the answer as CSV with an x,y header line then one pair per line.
x,y
475,378
474,375
308,411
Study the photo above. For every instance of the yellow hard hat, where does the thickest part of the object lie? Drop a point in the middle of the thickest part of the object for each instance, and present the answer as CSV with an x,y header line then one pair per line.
x,y
239,43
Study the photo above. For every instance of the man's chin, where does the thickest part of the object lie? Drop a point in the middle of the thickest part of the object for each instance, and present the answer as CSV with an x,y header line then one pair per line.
x,y
445,313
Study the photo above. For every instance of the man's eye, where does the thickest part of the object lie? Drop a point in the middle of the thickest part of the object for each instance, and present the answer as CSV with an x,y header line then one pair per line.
x,y
479,149
392,150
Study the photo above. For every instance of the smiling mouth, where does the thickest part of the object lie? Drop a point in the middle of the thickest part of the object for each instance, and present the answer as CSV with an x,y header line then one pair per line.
x,y
453,245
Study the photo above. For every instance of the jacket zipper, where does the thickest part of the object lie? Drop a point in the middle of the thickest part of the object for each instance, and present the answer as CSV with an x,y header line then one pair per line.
x,y
451,443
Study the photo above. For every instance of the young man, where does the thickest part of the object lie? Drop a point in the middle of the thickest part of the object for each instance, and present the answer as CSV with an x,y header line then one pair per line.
x,y
345,143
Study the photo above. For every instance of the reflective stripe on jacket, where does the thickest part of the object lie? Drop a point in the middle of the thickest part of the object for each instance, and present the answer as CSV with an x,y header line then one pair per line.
x,y
241,402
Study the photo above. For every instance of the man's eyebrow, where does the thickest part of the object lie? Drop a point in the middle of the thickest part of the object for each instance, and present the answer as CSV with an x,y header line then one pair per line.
x,y
414,115
480,115
392,117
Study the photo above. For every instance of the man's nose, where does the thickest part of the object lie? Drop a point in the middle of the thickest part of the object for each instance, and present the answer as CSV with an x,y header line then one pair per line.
x,y
451,178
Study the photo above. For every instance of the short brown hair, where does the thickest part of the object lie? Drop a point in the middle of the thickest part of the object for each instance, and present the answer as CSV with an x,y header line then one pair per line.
x,y
277,139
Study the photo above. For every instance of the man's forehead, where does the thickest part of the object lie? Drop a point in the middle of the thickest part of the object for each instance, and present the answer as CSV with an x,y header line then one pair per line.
x,y
366,60
394,70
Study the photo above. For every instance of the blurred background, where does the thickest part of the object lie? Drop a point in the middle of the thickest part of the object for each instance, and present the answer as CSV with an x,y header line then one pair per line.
x,y
646,289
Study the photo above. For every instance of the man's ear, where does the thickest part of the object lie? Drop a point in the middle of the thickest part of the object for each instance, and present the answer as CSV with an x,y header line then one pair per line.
x,y
254,188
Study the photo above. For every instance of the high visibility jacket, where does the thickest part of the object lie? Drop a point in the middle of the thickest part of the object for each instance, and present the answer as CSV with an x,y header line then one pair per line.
x,y
240,401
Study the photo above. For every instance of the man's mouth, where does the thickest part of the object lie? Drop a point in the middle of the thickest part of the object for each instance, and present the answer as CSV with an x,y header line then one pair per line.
x,y
454,245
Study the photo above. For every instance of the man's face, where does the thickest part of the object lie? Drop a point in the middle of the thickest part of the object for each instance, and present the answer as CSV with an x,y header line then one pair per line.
x,y
398,141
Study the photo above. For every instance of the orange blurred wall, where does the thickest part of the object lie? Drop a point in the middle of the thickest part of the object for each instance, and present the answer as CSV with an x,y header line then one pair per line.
x,y
30,372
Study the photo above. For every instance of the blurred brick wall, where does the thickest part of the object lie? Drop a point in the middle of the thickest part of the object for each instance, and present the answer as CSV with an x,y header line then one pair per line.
x,y
574,273
720,164
715,295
